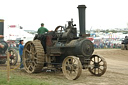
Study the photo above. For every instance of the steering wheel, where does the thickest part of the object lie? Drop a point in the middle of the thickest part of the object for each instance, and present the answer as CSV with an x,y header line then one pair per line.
x,y
61,29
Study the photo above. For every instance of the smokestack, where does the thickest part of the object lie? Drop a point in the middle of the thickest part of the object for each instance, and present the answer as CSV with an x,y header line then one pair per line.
x,y
1,27
81,9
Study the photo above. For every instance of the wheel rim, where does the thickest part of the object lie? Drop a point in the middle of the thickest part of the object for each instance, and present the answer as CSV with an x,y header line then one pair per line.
x,y
33,56
71,67
13,57
98,65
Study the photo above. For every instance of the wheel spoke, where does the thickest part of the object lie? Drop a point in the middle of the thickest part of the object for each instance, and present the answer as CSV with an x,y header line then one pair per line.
x,y
74,61
92,68
101,65
75,71
35,58
100,69
95,70
71,61
32,64
30,67
97,59
26,50
70,72
100,61
67,63
92,61
34,54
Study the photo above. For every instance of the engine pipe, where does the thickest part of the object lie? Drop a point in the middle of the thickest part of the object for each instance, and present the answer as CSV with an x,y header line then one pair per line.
x,y
81,9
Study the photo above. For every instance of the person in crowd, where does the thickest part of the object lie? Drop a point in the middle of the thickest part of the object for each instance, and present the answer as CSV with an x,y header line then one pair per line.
x,y
21,53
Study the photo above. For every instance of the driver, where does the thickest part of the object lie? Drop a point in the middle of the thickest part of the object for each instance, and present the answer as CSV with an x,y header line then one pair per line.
x,y
42,29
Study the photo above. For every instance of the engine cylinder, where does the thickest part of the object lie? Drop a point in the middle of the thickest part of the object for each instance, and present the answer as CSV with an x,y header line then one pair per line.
x,y
84,47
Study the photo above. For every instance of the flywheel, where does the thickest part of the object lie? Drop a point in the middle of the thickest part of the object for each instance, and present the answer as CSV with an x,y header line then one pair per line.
x,y
71,67
33,56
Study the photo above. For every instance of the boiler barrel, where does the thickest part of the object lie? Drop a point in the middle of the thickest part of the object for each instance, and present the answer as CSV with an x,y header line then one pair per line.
x,y
80,47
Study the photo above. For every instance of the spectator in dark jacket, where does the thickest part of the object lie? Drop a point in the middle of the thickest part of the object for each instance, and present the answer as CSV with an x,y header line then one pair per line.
x,y
21,52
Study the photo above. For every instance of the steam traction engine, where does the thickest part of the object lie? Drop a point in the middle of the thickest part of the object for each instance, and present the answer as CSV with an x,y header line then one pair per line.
x,y
4,46
62,49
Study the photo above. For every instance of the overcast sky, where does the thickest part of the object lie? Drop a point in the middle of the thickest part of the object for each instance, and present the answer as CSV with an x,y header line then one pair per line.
x,y
103,14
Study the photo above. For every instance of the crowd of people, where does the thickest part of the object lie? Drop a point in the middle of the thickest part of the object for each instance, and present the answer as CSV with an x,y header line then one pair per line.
x,y
105,44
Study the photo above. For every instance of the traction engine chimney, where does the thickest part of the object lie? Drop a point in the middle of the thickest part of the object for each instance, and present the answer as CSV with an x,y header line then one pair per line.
x,y
81,9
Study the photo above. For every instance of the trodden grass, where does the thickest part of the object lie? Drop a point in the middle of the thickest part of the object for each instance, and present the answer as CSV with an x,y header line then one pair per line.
x,y
22,80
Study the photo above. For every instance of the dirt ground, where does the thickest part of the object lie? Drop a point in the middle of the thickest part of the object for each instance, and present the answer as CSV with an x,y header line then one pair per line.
x,y
116,74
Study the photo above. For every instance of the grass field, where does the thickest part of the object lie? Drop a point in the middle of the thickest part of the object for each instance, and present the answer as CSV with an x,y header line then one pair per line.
x,y
22,80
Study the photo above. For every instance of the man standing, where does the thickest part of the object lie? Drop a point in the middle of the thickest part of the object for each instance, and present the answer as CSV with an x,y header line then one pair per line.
x,y
42,29
21,52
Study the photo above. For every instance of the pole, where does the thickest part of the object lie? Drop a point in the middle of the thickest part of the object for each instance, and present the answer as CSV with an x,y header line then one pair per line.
x,y
8,67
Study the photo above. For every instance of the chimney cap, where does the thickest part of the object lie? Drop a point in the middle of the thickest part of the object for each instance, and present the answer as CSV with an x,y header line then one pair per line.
x,y
81,6
1,20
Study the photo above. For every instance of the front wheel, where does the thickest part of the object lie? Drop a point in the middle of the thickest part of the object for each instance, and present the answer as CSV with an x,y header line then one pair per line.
x,y
71,67
97,65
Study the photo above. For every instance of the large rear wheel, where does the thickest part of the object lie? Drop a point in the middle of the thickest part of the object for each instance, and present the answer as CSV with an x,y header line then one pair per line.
x,y
33,56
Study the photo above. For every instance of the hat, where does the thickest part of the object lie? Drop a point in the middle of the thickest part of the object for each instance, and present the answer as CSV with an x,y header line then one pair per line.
x,y
42,23
21,41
